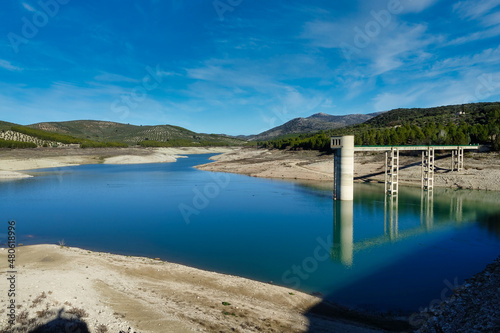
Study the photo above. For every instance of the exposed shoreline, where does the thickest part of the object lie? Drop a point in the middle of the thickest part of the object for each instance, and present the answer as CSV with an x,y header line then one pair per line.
x,y
16,163
59,285
151,295
481,172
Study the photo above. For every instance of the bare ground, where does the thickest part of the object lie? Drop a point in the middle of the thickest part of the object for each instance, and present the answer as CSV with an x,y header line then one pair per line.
x,y
482,170
72,286
15,162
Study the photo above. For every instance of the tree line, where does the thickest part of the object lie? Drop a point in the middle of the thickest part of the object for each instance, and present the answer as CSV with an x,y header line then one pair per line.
x,y
427,131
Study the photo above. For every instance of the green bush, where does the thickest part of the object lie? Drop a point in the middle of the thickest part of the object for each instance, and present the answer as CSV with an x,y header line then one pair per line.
x,y
95,144
16,144
182,143
496,143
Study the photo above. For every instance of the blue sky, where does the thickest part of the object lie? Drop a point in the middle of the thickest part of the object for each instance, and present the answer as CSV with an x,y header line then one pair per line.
x,y
241,66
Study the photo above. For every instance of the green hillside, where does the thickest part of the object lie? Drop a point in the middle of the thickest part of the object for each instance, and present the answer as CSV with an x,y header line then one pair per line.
x,y
5,126
477,123
19,136
105,131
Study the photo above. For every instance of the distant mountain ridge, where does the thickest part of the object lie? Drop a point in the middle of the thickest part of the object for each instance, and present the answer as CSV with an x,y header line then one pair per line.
x,y
462,124
316,122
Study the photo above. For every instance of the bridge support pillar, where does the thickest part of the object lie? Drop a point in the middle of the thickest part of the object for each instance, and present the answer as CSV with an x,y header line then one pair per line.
x,y
457,159
392,171
428,169
343,167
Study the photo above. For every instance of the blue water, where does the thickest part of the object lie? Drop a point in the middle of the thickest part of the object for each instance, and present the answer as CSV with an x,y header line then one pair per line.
x,y
289,233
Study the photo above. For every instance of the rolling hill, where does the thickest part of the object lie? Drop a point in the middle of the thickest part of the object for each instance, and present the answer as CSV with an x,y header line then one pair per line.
x,y
131,134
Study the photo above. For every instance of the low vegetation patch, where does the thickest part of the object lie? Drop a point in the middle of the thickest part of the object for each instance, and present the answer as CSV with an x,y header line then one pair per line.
x,y
182,143
16,144
95,144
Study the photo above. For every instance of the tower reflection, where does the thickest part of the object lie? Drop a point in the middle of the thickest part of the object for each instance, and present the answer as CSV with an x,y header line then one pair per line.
x,y
343,247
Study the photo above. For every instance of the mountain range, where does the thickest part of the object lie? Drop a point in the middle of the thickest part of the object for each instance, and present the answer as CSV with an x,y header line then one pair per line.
x,y
106,131
316,122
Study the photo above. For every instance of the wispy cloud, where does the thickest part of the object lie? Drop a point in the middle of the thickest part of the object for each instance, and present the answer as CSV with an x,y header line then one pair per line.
x,y
28,7
475,36
262,66
8,66
325,34
109,77
388,101
465,62
412,6
406,47
475,9
485,13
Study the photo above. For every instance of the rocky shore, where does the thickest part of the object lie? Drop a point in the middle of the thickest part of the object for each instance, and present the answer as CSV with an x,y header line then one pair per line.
x,y
473,307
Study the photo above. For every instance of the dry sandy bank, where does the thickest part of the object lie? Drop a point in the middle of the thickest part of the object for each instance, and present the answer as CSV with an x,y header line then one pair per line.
x,y
13,175
482,170
29,159
117,292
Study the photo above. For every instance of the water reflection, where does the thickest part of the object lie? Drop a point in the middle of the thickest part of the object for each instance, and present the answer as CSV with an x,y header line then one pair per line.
x,y
342,249
463,207
492,224
391,204
427,209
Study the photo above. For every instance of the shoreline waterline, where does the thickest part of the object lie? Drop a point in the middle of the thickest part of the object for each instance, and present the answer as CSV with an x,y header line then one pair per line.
x,y
122,177
100,282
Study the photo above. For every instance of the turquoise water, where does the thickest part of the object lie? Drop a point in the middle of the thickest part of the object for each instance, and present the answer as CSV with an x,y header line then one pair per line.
x,y
289,233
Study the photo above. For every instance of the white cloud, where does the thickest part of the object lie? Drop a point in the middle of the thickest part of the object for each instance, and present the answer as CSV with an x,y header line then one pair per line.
x,y
110,77
8,66
474,9
28,7
326,34
491,19
466,62
485,13
470,86
416,6
388,101
406,47
479,35
387,49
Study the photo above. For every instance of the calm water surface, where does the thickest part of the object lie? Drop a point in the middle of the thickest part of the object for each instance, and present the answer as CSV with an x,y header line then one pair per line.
x,y
370,254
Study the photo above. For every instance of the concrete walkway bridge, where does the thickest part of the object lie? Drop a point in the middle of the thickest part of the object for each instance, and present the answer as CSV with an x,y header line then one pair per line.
x,y
343,166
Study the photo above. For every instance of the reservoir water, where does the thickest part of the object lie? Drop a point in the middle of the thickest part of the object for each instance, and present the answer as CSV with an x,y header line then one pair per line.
x,y
373,253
